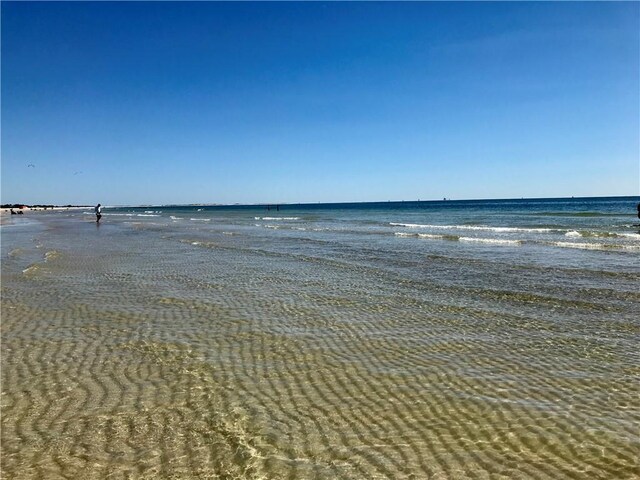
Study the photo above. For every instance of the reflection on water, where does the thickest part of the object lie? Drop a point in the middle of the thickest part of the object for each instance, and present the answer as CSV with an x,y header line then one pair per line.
x,y
150,351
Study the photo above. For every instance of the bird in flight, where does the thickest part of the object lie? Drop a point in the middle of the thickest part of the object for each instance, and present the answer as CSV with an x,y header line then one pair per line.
x,y
31,165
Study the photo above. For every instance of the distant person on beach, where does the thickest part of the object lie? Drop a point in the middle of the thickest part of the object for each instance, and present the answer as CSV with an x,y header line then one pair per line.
x,y
639,210
98,210
13,212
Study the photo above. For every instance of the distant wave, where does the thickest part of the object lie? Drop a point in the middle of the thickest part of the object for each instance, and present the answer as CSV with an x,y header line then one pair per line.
x,y
200,219
592,234
428,236
126,214
515,242
595,246
275,219
577,214
475,227
494,241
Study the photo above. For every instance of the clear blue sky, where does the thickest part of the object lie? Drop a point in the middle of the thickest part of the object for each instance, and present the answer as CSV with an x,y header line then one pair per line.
x,y
160,102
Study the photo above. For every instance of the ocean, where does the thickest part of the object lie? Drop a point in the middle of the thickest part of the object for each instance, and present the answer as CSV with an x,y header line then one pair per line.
x,y
492,339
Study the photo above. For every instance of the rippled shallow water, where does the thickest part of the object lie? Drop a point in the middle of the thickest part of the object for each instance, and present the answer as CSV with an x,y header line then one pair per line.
x,y
321,344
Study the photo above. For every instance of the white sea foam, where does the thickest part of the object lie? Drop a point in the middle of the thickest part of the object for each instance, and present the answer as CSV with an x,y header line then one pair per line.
x,y
175,218
126,214
574,233
200,219
427,236
587,246
410,225
435,237
596,246
276,219
494,241
474,227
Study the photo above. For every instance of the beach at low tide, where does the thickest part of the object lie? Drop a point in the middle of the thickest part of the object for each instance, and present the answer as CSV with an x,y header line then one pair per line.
x,y
444,342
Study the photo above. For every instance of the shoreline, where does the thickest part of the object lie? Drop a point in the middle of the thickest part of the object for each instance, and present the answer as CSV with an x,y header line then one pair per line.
x,y
5,213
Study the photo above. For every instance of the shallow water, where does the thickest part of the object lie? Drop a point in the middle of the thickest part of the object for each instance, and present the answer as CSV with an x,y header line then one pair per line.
x,y
323,342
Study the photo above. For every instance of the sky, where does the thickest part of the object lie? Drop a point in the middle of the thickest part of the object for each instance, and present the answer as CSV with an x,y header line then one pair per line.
x,y
129,103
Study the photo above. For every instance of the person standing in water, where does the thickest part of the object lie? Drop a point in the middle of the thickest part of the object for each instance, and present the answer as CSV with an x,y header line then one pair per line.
x,y
98,209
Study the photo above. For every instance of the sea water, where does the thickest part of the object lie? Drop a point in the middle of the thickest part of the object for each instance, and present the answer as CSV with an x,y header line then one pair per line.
x,y
454,339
